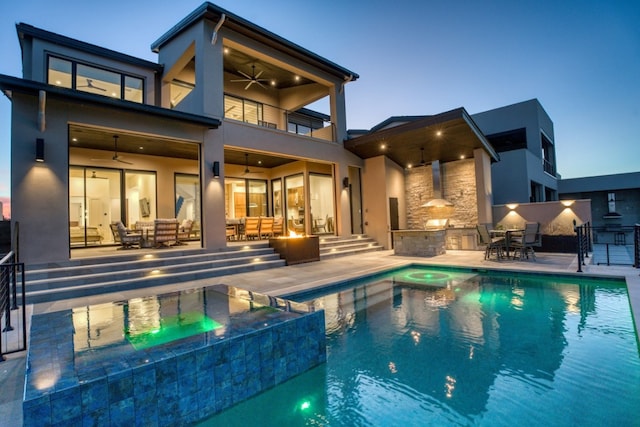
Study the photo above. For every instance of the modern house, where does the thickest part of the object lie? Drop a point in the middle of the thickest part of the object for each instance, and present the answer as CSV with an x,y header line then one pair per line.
x,y
222,127
522,134
615,202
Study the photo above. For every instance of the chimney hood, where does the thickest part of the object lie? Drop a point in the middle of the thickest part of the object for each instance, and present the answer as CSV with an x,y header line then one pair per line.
x,y
437,201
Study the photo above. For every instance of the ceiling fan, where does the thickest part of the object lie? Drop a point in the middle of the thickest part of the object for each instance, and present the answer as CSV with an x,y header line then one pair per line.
x,y
94,176
90,85
115,157
251,79
246,163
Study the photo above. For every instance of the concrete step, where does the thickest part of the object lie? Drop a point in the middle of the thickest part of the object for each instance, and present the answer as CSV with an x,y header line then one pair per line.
x,y
95,288
343,246
92,276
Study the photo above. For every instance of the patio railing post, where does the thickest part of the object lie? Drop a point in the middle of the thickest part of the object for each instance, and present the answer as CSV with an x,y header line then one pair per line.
x,y
578,231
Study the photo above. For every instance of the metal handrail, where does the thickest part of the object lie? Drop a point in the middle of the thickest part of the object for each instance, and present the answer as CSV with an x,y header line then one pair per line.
x,y
584,236
636,246
9,270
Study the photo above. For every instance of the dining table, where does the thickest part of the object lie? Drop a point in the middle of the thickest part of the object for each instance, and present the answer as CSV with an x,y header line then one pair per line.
x,y
507,233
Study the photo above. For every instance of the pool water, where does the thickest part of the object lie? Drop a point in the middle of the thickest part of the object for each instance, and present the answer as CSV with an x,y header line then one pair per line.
x,y
451,347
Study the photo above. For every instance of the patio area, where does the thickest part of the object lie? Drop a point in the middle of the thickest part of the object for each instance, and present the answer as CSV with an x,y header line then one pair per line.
x,y
291,279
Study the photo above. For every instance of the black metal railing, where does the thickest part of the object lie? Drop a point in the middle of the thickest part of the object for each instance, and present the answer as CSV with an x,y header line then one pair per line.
x,y
636,246
583,233
13,336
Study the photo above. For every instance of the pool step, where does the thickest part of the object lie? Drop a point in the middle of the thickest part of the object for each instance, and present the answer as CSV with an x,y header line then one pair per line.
x,y
336,246
78,278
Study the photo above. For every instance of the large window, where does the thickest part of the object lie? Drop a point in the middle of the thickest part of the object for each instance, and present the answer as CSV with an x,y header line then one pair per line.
x,y
140,196
187,197
276,193
321,203
94,202
87,78
294,189
245,197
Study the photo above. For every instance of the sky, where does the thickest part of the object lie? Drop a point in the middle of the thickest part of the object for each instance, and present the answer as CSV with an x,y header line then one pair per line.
x,y
580,59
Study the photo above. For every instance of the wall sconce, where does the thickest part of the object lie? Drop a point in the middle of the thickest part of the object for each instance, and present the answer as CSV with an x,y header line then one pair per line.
x,y
512,206
345,182
567,203
216,169
39,150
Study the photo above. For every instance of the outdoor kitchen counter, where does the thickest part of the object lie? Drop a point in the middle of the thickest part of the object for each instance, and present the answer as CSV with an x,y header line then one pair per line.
x,y
425,243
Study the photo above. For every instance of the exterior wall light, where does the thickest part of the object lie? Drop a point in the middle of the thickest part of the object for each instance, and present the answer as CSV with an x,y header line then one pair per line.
x,y
512,206
567,203
216,169
345,182
39,150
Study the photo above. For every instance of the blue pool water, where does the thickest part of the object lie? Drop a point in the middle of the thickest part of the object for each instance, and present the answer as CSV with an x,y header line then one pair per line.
x,y
423,347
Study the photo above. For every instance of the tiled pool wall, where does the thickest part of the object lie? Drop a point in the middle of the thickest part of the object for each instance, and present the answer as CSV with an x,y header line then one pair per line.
x,y
160,386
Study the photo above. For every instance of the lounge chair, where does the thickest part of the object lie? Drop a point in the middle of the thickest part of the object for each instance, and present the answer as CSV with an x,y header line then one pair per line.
x,y
184,231
492,244
128,238
165,232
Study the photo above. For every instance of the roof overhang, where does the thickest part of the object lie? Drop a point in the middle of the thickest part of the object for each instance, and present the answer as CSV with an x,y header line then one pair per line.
x,y
445,137
10,84
240,25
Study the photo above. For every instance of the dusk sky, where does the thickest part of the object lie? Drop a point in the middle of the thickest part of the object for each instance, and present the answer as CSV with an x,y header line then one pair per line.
x,y
580,59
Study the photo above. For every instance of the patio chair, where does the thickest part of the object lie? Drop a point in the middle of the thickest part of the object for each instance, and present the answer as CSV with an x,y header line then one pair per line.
x,y
128,238
184,231
114,231
266,227
252,227
320,224
525,243
165,232
496,244
278,226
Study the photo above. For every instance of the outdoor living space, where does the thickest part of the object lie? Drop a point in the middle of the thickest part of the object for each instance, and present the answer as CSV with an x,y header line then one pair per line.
x,y
288,280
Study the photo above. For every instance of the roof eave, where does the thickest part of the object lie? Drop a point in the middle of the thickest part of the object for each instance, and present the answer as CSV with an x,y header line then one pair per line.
x,y
210,11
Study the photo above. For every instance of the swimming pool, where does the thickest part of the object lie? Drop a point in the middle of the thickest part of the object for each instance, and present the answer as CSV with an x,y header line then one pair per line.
x,y
456,347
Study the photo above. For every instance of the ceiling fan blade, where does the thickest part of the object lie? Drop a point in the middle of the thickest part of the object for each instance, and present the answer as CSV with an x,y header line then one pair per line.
x,y
261,85
245,74
240,80
258,75
249,85
118,159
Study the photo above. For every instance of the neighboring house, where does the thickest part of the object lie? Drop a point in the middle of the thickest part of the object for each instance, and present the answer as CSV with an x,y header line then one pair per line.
x,y
615,199
522,134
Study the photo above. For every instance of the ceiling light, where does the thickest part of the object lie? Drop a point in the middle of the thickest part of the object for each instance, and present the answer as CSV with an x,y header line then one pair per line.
x,y
273,82
226,50
462,157
74,139
383,146
297,78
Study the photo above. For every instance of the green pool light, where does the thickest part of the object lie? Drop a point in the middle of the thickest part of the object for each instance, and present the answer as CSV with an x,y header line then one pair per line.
x,y
305,405
172,328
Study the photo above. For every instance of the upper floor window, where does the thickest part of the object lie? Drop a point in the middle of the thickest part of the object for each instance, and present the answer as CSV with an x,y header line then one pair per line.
x,y
243,109
515,139
548,155
87,78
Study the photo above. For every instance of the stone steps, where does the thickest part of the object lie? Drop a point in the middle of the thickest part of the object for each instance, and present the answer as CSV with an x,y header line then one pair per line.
x,y
92,276
336,246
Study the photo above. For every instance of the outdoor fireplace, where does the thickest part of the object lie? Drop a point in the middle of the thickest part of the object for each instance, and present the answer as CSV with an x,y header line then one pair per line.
x,y
297,249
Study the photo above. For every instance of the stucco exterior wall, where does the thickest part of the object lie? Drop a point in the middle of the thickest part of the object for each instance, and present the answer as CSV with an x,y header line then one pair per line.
x,y
555,218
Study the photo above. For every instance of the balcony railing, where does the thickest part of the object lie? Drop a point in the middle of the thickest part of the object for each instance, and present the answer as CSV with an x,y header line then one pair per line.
x,y
269,116
549,167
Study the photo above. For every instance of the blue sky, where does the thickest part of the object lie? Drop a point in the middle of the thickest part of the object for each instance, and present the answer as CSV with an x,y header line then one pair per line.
x,y
581,59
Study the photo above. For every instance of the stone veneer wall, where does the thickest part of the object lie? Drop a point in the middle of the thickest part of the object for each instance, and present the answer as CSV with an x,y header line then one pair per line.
x,y
177,384
458,187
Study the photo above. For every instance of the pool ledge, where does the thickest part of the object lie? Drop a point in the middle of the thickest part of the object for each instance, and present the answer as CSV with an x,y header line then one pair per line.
x,y
175,383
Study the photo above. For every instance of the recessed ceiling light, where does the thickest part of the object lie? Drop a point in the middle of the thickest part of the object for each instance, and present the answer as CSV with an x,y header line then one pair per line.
x,y
439,133
58,82
273,82
74,139
409,166
461,156
141,147
297,78
259,162
226,50
383,146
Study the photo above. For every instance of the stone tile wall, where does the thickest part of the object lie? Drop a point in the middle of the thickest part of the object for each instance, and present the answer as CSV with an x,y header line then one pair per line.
x,y
167,385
